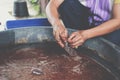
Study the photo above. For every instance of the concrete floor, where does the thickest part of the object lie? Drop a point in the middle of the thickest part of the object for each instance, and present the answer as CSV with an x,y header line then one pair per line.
x,y
5,7
6,12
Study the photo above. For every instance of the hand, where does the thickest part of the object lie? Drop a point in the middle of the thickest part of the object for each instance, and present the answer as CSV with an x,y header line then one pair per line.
x,y
60,34
76,39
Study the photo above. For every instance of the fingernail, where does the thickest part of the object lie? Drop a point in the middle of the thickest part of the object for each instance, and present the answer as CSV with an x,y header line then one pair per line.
x,y
76,47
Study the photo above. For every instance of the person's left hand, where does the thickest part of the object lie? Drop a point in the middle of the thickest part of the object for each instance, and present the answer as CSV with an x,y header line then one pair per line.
x,y
76,39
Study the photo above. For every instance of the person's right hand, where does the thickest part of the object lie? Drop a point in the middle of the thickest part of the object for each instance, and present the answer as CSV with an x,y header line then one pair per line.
x,y
60,34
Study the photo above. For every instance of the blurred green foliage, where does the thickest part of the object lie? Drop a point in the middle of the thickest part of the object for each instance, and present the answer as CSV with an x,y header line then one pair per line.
x,y
36,5
33,1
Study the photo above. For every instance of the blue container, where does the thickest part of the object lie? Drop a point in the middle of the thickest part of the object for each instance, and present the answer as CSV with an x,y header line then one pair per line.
x,y
27,23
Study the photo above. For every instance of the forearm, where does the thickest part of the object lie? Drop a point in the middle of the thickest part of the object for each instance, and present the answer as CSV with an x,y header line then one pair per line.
x,y
106,27
59,30
52,14
102,29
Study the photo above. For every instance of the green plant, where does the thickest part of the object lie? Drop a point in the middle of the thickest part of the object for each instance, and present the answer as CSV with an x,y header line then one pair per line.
x,y
33,1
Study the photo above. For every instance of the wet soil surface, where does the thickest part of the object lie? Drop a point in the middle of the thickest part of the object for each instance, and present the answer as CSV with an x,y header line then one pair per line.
x,y
47,62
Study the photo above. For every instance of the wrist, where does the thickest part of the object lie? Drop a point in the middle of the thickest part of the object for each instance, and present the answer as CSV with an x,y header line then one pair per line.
x,y
86,34
57,24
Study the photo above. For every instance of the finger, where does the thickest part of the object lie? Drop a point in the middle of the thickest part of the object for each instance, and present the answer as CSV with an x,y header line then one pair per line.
x,y
76,38
71,37
76,47
77,43
56,35
61,44
64,36
58,39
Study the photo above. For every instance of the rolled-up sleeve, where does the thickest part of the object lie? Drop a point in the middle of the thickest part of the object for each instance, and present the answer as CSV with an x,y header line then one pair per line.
x,y
117,1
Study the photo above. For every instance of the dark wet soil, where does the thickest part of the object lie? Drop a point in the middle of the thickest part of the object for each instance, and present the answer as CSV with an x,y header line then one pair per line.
x,y
47,62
